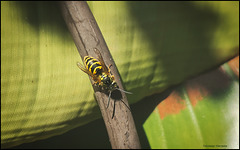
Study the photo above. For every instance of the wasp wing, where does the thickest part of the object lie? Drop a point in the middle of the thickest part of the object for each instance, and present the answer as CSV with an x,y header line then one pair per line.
x,y
84,69
100,58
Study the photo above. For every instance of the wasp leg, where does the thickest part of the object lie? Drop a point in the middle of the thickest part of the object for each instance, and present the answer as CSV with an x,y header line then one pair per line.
x,y
109,71
113,109
109,98
95,83
113,77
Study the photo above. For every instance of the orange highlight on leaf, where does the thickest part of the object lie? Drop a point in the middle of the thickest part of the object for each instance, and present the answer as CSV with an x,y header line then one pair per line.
x,y
234,65
173,104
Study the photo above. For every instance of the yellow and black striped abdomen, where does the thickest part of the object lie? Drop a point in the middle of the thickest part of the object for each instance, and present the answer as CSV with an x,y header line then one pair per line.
x,y
93,65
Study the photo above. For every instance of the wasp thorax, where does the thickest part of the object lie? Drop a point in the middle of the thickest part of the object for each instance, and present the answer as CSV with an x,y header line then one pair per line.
x,y
106,79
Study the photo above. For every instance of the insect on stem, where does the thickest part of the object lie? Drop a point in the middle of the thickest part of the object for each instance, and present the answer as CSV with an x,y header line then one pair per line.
x,y
101,74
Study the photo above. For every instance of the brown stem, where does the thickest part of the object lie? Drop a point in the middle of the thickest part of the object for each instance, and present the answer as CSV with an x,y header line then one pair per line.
x,y
87,36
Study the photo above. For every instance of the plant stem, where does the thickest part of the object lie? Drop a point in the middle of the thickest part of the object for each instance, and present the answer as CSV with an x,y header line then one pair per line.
x,y
87,36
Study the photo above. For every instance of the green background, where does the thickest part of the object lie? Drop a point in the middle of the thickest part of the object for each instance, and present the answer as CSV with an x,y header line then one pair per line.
x,y
155,45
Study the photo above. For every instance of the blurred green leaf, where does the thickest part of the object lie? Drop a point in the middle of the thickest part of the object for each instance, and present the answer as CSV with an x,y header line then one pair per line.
x,y
154,44
202,113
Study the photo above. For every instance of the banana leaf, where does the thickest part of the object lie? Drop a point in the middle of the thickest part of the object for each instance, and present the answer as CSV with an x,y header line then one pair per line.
x,y
202,113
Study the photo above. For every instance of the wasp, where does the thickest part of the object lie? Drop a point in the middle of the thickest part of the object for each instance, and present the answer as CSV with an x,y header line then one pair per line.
x,y
101,74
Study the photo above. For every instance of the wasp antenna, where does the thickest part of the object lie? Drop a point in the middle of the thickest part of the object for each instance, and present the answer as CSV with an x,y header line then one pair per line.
x,y
126,105
109,98
124,91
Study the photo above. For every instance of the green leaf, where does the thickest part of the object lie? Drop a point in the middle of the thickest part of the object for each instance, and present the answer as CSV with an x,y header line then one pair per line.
x,y
43,92
202,113
167,42
154,44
